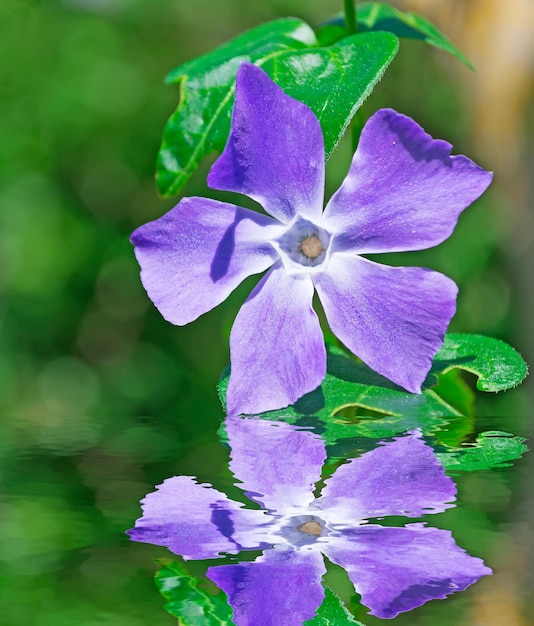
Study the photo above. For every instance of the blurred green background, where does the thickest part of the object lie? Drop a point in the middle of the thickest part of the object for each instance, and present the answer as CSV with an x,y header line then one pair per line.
x,y
100,397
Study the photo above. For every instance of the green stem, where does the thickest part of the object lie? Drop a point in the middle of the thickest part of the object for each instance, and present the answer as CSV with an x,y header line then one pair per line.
x,y
350,17
351,26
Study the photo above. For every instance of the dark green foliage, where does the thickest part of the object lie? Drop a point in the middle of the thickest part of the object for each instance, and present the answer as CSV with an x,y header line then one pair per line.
x,y
187,600
333,81
491,449
496,364
351,383
379,16
201,122
332,612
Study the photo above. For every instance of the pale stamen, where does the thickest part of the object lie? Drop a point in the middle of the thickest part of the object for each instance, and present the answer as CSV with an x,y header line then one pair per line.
x,y
311,246
310,528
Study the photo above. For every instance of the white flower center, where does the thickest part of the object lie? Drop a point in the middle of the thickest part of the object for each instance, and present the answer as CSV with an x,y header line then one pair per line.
x,y
304,243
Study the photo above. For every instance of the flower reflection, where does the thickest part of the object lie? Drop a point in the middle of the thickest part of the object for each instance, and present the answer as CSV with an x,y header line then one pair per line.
x,y
393,569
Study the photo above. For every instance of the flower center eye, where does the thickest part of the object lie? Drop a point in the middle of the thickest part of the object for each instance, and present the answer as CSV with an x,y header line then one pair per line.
x,y
311,528
311,247
303,243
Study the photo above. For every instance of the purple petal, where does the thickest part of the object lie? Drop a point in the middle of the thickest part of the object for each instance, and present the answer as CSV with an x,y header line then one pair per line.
x,y
275,152
196,521
276,345
401,477
403,191
277,463
399,569
282,587
195,255
393,318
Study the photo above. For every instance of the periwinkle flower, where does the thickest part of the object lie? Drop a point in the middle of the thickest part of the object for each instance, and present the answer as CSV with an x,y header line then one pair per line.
x,y
403,192
394,569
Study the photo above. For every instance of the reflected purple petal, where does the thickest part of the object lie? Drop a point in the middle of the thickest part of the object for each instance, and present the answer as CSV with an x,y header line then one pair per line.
x,y
196,521
277,464
280,587
400,477
393,569
398,569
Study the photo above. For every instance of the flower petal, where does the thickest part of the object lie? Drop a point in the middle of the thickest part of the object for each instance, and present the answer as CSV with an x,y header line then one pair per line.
x,y
275,151
278,464
400,477
195,255
399,569
196,521
403,191
280,587
393,318
276,345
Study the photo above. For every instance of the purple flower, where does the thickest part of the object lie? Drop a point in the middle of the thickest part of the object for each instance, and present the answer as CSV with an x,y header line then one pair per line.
x,y
403,192
393,569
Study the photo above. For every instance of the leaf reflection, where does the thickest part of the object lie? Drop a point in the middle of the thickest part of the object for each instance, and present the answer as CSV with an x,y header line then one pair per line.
x,y
394,569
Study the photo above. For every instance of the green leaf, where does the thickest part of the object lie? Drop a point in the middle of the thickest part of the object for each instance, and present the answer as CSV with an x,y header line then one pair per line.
x,y
332,612
349,383
496,364
379,16
201,122
188,601
445,429
193,606
328,34
492,449
455,391
333,81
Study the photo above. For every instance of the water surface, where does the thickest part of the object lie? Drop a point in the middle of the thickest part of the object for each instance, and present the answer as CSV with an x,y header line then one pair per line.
x,y
66,502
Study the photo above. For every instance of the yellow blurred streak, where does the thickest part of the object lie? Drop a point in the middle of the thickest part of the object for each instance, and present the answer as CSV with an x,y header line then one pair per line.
x,y
502,599
498,38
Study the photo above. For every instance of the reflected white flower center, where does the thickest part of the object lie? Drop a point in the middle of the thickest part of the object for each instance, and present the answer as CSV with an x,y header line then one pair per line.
x,y
302,530
305,243
311,528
